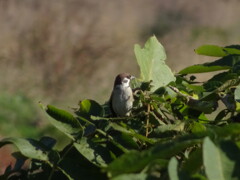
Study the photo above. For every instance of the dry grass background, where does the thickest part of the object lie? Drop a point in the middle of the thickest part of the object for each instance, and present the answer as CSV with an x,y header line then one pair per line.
x,y
66,50
62,51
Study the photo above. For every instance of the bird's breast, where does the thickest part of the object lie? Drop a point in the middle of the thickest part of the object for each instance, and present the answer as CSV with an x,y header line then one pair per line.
x,y
122,100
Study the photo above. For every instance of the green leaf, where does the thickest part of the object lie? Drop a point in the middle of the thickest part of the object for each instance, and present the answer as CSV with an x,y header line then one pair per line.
x,y
237,93
95,153
212,160
172,169
221,64
177,126
231,156
28,147
202,68
76,167
155,166
65,122
198,176
217,51
226,131
220,163
197,127
126,140
211,50
228,84
151,60
138,176
48,142
131,133
135,161
203,106
90,107
130,162
218,80
193,163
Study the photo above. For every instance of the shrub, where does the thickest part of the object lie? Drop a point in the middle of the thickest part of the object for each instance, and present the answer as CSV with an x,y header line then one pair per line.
x,y
177,129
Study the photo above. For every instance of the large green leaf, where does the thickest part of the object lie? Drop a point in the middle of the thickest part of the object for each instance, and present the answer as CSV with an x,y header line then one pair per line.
x,y
135,161
220,163
222,64
217,51
95,153
202,68
28,147
151,60
65,122
173,169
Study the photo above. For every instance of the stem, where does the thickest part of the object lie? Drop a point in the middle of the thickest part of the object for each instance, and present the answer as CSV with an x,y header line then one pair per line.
x,y
52,172
63,156
66,152
132,133
107,135
147,120
112,140
111,118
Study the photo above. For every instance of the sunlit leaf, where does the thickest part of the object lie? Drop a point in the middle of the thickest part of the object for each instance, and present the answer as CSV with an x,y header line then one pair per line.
x,y
217,51
65,122
222,64
151,60
197,127
28,147
220,162
173,169
237,94
93,152
90,107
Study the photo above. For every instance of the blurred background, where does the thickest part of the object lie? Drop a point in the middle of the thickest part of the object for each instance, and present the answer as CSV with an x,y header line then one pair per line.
x,y
62,51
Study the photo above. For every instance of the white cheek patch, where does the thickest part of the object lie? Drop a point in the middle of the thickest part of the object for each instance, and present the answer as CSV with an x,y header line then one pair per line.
x,y
125,82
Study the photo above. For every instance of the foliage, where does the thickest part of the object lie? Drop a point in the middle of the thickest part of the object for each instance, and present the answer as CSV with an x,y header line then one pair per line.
x,y
177,129
151,62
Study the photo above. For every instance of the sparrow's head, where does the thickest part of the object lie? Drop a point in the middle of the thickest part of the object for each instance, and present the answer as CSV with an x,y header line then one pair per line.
x,y
123,79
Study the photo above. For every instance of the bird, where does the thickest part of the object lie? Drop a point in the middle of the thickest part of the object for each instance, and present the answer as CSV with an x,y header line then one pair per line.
x,y
121,100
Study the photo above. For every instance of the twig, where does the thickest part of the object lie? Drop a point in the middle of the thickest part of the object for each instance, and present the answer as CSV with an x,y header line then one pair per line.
x,y
147,120
56,164
176,90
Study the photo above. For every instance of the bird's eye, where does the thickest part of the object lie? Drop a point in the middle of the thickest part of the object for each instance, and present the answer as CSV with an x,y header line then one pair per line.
x,y
125,81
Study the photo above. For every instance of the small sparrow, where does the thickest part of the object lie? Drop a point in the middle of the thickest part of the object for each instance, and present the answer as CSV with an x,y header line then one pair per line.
x,y
121,100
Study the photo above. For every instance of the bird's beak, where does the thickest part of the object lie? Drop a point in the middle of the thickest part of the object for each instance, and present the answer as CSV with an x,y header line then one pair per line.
x,y
132,77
